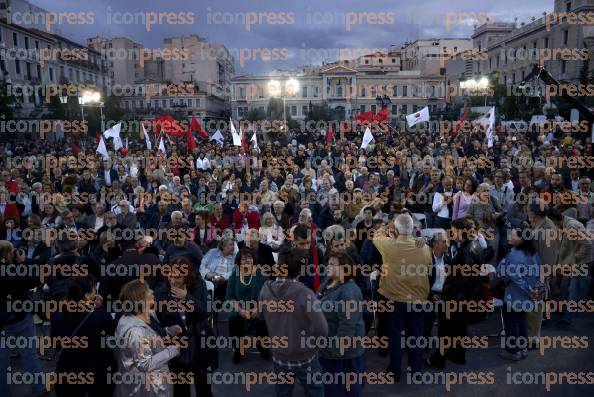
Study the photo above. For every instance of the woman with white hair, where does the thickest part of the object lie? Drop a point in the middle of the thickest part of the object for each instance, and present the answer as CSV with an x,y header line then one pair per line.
x,y
271,233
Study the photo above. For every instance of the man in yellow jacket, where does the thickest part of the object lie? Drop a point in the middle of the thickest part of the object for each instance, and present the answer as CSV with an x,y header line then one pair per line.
x,y
405,281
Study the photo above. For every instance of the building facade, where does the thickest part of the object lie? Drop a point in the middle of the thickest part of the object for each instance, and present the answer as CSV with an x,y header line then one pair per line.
x,y
513,50
348,87
35,64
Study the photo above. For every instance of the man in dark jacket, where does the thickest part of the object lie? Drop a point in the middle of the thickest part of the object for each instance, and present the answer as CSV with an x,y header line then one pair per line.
x,y
17,323
460,286
128,267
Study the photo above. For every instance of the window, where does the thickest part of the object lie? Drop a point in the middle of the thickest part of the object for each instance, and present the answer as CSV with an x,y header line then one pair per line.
x,y
363,92
395,90
568,6
497,61
563,66
197,102
415,108
404,90
393,60
362,109
373,108
339,91
304,110
36,44
78,75
490,63
15,39
26,43
242,92
261,92
546,42
373,92
405,109
304,92
164,103
293,110
17,66
565,37
316,92
394,109
28,68
39,72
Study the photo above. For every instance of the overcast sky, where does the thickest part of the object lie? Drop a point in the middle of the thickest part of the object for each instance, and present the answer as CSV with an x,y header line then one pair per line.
x,y
313,30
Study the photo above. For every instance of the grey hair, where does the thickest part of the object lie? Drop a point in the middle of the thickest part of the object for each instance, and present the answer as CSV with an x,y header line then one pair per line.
x,y
404,224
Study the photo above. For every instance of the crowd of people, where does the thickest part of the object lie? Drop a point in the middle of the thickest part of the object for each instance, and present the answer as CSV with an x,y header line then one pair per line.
x,y
308,249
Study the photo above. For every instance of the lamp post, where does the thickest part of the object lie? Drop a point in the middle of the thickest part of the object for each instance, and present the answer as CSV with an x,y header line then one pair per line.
x,y
275,90
91,99
472,84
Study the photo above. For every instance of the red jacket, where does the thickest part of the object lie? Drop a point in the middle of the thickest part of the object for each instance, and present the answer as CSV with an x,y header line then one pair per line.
x,y
253,219
11,210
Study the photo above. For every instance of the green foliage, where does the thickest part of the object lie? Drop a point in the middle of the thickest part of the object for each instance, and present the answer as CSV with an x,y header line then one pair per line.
x,y
255,114
7,102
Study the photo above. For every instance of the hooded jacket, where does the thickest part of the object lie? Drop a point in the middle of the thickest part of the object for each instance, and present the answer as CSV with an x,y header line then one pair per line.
x,y
286,306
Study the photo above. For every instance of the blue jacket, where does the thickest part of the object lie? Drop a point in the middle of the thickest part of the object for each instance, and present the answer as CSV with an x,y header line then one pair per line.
x,y
521,273
348,326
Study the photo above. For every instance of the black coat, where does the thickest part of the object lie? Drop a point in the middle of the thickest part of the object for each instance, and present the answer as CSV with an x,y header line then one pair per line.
x,y
463,285
113,280
195,325
98,329
263,254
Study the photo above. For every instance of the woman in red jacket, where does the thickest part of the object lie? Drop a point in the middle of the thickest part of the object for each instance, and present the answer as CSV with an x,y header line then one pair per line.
x,y
218,220
249,212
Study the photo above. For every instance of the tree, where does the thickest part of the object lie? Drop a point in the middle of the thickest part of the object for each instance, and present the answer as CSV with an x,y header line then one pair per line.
x,y
255,114
318,113
275,109
7,102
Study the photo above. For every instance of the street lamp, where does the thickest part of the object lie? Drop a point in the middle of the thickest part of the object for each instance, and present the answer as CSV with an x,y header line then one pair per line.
x,y
472,84
91,99
291,87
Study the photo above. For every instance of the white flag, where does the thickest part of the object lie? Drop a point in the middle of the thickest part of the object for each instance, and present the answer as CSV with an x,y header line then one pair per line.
x,y
146,138
489,119
117,143
102,149
126,142
218,137
367,138
235,135
162,146
113,132
255,140
418,117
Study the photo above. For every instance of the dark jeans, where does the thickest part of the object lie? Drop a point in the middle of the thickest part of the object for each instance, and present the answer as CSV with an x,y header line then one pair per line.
x,y
454,327
239,325
203,388
516,330
442,223
310,377
220,291
338,368
411,322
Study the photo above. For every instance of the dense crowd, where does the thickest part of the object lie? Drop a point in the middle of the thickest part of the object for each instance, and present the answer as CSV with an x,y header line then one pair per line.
x,y
144,255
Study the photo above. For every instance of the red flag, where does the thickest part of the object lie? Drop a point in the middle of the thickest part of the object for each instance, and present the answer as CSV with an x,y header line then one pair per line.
x,y
75,148
383,115
195,125
97,137
458,125
190,141
169,125
329,136
366,117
